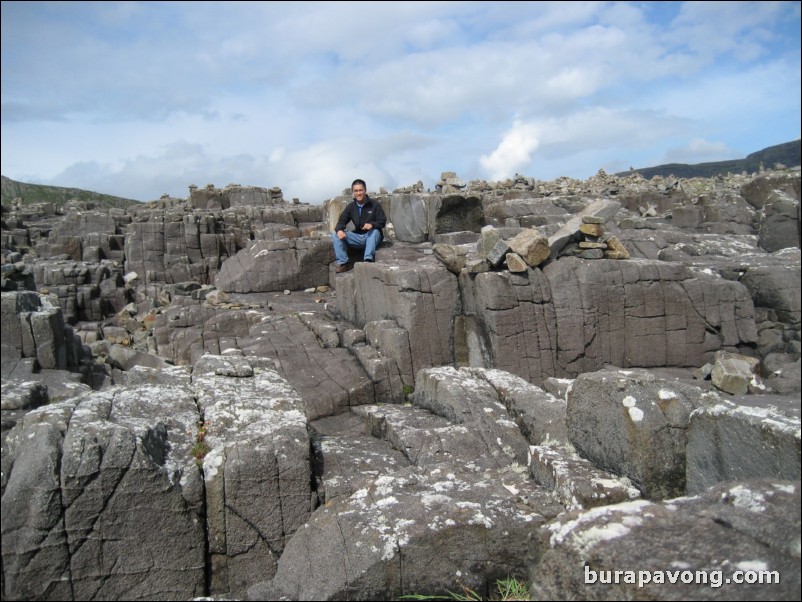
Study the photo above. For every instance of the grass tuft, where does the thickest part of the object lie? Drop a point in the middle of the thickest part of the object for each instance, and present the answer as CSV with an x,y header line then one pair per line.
x,y
200,448
508,589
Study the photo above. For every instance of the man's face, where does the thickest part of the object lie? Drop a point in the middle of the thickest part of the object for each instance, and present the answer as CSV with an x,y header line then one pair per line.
x,y
359,193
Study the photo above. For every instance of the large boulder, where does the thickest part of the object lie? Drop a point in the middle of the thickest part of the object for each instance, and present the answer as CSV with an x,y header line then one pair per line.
x,y
779,222
757,437
413,531
275,266
256,466
634,424
103,499
738,541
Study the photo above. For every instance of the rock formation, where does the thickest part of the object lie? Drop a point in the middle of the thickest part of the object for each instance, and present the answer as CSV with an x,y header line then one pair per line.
x,y
558,382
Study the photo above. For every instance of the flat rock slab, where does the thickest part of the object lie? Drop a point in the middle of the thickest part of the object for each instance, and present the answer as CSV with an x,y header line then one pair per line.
x,y
410,532
346,458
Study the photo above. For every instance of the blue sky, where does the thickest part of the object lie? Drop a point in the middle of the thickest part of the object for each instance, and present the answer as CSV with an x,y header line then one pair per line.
x,y
139,99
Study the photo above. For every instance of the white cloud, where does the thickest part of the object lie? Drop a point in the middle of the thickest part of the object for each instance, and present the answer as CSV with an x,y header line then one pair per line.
x,y
513,152
711,29
308,96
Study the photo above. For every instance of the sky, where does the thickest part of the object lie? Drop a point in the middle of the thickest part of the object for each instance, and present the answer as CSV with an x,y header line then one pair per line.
x,y
142,99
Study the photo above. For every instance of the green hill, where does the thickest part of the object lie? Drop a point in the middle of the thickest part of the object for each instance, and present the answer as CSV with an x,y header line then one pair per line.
x,y
789,154
38,193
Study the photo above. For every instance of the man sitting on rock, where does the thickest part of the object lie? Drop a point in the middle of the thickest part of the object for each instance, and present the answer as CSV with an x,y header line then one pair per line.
x,y
368,218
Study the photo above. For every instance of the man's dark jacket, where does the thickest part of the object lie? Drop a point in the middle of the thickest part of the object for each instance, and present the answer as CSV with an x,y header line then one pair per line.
x,y
372,213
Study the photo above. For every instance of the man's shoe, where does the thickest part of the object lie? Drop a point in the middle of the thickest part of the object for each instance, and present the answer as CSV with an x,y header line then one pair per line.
x,y
342,267
369,259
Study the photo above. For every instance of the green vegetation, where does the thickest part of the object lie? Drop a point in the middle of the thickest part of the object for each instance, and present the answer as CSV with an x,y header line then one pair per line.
x,y
38,193
200,448
512,589
508,589
408,390
788,154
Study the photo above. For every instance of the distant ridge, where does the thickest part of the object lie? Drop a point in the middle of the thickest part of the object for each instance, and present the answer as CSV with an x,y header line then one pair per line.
x,y
39,193
789,154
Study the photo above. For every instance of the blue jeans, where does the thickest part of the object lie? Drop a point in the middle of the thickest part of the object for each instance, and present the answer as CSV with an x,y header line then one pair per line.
x,y
368,241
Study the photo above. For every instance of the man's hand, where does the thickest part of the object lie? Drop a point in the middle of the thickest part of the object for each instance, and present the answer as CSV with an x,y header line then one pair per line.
x,y
341,234
367,226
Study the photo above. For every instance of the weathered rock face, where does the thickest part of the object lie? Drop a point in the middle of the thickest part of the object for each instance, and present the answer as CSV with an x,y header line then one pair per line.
x,y
757,190
174,247
86,236
779,222
575,317
776,289
747,440
233,196
33,327
178,243
272,266
328,377
103,496
576,482
257,470
675,550
102,499
421,297
448,527
86,291
632,424
410,217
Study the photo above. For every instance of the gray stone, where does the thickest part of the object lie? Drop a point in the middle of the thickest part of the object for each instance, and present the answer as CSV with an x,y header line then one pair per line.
x,y
600,208
498,253
633,424
346,458
257,468
410,532
539,415
466,400
744,441
777,287
125,359
732,375
477,266
36,555
575,481
515,263
713,546
532,246
409,216
758,190
275,266
489,237
422,297
125,505
19,395
453,257
567,318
